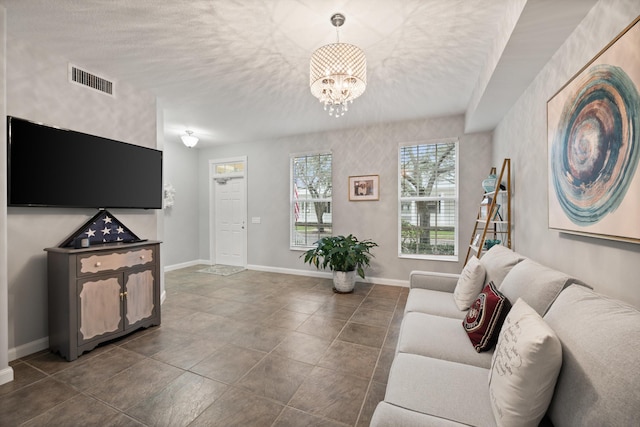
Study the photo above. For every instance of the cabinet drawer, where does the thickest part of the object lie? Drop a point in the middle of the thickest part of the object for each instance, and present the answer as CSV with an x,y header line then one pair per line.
x,y
115,260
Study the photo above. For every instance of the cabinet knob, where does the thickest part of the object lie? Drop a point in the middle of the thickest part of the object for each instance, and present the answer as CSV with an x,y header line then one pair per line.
x,y
98,264
141,256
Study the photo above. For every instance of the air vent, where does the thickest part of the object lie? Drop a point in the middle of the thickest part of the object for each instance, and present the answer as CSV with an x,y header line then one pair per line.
x,y
90,80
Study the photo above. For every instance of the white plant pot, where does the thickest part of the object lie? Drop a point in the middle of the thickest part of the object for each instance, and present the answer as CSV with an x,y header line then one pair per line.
x,y
344,281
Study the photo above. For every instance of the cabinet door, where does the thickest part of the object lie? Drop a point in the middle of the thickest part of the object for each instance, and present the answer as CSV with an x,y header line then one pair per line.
x,y
99,307
139,296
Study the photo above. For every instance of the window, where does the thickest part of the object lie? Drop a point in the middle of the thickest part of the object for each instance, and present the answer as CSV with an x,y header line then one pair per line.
x,y
310,198
428,200
227,168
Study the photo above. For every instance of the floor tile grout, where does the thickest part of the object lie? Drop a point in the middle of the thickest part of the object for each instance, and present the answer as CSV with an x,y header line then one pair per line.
x,y
280,287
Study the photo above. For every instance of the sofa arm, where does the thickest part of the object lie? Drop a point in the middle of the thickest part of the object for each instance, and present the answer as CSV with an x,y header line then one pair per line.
x,y
443,282
387,414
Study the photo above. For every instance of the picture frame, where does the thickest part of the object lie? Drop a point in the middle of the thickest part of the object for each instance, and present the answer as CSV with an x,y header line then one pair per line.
x,y
485,205
364,188
496,213
484,208
593,141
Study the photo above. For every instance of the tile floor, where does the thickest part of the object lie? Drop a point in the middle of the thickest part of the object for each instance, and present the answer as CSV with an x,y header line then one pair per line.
x,y
251,349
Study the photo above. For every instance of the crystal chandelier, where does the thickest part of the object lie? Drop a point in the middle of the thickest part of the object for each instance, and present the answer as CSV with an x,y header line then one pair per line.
x,y
338,73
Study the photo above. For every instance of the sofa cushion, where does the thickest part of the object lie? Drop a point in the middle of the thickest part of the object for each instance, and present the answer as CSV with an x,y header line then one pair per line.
x,y
485,317
536,284
469,284
443,389
497,262
524,368
433,302
440,338
601,360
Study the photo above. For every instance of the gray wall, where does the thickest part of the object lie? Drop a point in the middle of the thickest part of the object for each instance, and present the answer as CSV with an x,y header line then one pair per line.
x,y
6,373
181,235
611,267
361,151
37,89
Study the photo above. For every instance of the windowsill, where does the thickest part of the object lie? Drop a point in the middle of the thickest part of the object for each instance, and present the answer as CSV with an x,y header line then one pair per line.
x,y
300,248
444,258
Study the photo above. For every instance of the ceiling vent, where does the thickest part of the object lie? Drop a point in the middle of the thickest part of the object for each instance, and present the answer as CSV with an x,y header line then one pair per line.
x,y
90,80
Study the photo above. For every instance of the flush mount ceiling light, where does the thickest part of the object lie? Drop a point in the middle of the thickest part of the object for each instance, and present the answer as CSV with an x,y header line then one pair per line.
x,y
189,140
338,73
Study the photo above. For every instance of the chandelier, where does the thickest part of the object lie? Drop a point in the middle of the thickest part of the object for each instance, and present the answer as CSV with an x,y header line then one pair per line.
x,y
338,73
189,140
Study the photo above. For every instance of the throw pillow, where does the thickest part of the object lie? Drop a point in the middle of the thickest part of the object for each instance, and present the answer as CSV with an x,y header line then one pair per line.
x,y
469,284
485,317
524,368
537,284
498,261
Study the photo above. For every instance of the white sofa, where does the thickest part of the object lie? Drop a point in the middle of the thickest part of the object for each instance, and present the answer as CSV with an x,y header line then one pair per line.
x,y
438,379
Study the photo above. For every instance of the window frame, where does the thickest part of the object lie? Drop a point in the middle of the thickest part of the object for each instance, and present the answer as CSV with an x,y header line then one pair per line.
x,y
455,199
292,219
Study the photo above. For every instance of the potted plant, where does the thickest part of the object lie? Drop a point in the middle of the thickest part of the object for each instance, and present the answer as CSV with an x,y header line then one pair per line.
x,y
344,255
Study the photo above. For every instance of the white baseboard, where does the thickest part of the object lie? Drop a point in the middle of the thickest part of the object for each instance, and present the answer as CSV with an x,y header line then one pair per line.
x,y
6,375
28,348
327,275
384,281
297,272
186,264
267,269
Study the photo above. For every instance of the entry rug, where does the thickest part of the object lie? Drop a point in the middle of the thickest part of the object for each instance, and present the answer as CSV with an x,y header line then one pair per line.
x,y
222,270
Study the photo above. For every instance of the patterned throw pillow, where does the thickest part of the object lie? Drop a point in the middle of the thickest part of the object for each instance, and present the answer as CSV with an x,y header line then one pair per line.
x,y
469,284
524,368
485,317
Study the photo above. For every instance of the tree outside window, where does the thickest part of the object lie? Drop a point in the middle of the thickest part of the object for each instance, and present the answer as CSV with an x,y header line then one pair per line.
x,y
311,188
428,199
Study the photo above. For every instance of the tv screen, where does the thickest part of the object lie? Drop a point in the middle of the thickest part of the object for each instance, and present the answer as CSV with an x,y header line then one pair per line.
x,y
48,166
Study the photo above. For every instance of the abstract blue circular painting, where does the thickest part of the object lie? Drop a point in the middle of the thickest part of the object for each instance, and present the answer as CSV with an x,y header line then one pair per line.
x,y
595,151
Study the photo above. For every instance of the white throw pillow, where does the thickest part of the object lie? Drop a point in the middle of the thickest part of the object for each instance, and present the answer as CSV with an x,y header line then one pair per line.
x,y
524,368
469,284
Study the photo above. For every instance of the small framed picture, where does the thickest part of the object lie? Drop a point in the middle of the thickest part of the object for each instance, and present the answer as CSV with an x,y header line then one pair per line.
x,y
496,215
364,187
484,207
476,240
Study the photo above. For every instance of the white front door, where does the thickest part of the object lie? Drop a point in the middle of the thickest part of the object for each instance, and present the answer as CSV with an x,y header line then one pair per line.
x,y
229,219
228,225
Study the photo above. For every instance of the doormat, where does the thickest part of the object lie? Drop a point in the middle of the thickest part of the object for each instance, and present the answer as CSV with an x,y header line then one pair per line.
x,y
222,270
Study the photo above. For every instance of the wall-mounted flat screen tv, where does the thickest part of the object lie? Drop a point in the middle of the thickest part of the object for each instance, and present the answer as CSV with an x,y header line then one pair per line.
x,y
48,166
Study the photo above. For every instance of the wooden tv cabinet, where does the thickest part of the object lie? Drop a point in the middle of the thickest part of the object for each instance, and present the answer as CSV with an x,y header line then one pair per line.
x,y
100,293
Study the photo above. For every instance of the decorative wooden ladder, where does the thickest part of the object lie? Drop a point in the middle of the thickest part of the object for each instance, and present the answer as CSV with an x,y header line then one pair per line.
x,y
489,220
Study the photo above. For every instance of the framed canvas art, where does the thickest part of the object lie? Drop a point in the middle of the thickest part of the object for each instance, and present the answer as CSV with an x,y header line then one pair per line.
x,y
593,138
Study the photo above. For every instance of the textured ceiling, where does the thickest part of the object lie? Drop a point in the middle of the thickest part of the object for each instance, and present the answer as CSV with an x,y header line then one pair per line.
x,y
239,70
